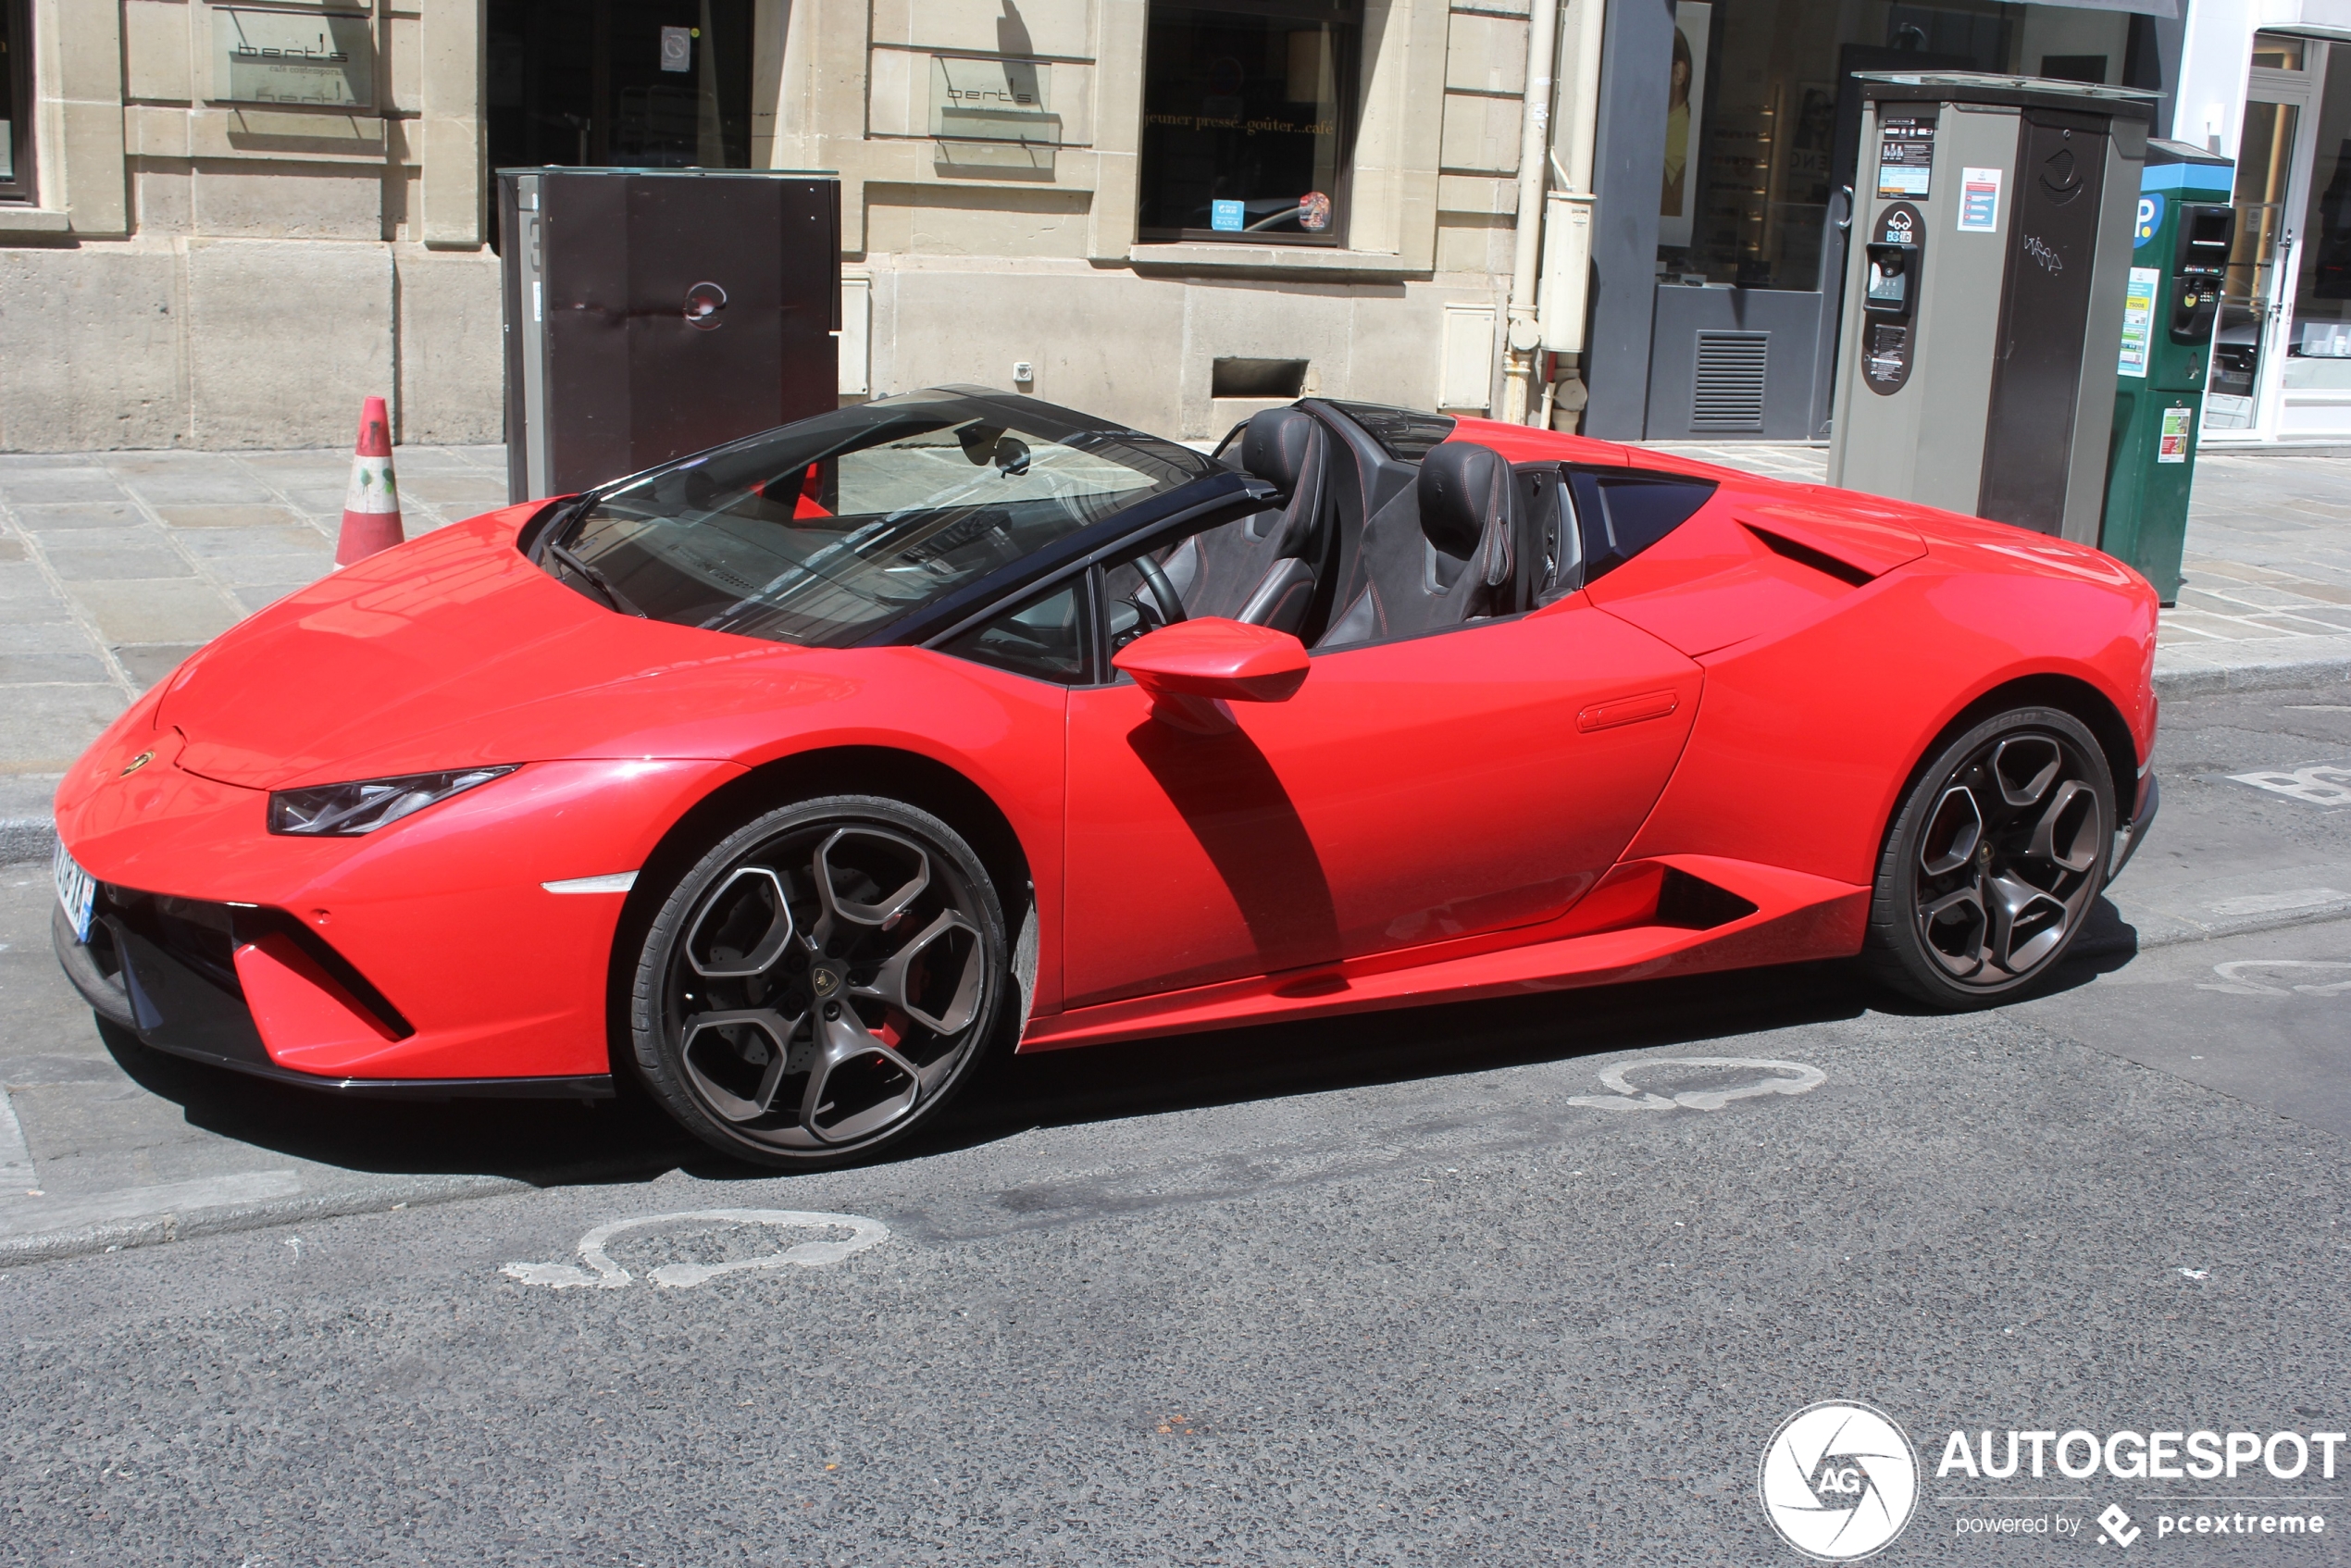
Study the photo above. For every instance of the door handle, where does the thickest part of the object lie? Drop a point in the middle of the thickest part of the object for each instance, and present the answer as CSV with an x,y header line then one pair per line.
x,y
1627,710
1844,224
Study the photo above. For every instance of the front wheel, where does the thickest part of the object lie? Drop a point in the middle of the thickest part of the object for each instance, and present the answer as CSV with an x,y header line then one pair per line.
x,y
821,983
1993,860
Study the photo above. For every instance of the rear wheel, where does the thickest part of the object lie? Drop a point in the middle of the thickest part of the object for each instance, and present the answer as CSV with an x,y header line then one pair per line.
x,y
1993,860
822,982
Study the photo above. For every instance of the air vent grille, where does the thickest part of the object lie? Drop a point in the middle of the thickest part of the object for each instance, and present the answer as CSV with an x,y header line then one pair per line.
x,y
1727,393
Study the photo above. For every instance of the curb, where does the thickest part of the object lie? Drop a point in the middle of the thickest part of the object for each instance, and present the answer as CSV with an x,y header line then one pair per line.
x,y
2286,674
151,1230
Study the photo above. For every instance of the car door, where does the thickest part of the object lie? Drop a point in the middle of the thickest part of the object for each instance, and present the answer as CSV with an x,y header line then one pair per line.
x,y
1470,781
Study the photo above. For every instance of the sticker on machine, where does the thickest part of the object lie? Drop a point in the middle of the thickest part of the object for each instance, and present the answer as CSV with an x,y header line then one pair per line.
x,y
2173,445
1906,158
1978,201
2138,320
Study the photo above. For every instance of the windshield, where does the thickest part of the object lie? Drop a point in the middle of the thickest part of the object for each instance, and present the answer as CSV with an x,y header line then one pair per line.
x,y
820,531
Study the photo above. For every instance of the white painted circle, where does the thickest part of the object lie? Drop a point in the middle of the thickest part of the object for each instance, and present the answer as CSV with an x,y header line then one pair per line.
x,y
1839,1480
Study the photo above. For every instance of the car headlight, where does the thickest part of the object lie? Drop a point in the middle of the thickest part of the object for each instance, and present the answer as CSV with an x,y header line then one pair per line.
x,y
347,810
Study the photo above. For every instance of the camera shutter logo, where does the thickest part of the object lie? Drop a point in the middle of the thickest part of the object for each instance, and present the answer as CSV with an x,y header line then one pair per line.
x,y
1839,1481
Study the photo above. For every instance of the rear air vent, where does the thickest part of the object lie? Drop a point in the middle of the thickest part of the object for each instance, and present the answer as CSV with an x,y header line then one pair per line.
x,y
1727,393
1805,555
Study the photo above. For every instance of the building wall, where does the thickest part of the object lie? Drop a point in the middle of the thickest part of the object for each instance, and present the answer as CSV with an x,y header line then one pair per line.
x,y
962,267
221,275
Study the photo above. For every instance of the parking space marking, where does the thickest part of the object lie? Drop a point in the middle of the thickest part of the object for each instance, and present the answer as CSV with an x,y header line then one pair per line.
x,y
2323,785
1789,1077
16,1160
2238,978
609,1276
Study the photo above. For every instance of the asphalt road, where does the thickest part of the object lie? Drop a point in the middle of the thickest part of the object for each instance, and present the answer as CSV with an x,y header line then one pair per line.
x,y
1405,1290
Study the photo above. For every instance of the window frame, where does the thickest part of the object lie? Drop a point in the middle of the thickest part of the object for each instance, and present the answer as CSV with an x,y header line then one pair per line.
x,y
1347,24
21,189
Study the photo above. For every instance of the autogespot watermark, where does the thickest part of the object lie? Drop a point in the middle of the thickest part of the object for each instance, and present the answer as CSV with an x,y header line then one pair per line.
x,y
1840,1481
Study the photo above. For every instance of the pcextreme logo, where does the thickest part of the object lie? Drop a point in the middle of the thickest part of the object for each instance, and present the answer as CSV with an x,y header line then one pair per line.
x,y
1839,1481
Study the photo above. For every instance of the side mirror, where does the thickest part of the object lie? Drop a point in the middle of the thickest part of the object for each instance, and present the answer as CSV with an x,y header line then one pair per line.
x,y
1193,668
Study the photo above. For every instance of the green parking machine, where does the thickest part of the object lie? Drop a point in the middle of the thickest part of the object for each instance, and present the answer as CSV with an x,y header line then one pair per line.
x,y
2183,234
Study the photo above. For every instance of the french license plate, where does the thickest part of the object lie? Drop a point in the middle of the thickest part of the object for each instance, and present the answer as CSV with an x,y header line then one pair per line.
x,y
77,891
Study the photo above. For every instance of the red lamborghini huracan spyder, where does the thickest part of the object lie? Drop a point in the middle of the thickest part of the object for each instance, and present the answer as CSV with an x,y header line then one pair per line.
x,y
796,776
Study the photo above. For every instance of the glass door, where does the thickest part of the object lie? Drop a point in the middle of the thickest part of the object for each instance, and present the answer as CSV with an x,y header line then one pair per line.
x,y
2274,169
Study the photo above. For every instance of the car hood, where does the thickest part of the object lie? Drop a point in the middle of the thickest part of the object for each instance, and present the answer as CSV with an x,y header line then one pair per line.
x,y
452,651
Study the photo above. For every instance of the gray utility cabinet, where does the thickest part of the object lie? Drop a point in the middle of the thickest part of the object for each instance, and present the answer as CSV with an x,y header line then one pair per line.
x,y
1983,296
652,313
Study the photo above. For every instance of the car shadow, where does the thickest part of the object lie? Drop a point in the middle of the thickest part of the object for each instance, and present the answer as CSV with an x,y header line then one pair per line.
x,y
545,1143
553,1143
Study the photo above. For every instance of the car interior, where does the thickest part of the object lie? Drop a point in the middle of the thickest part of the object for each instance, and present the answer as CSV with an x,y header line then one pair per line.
x,y
1385,530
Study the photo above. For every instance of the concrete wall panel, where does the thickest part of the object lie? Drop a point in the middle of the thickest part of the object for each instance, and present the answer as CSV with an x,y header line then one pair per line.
x,y
89,350
964,221
451,365
252,199
285,339
1063,28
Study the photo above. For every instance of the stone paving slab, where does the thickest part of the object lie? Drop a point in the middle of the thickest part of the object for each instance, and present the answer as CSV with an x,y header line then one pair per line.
x,y
115,566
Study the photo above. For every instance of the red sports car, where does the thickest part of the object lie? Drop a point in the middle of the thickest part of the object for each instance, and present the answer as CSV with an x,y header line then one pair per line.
x,y
795,777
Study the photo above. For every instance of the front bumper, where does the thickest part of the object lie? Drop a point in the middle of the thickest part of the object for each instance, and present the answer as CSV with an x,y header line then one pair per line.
x,y
166,970
427,958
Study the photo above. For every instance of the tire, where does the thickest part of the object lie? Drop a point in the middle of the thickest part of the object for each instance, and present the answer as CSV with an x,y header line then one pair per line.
x,y
1993,860
822,983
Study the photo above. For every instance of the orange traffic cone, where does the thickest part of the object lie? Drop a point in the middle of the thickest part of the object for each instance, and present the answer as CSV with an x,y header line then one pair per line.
x,y
371,506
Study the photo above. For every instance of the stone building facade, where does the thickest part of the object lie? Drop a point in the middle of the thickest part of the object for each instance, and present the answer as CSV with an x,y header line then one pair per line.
x,y
196,272
201,261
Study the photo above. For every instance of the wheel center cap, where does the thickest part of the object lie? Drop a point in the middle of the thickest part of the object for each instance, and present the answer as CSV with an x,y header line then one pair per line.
x,y
827,980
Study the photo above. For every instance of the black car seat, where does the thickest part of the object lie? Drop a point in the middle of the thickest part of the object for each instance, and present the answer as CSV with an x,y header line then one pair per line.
x,y
1262,569
1443,553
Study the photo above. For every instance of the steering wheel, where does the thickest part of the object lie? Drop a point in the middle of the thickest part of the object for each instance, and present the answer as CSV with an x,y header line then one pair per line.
x,y
1171,604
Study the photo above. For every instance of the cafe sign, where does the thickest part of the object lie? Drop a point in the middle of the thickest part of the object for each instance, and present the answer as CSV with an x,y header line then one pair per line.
x,y
327,59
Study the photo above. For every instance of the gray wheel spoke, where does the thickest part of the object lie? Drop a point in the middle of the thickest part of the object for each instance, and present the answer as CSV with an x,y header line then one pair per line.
x,y
2026,924
837,910
736,901
2026,765
888,984
1955,929
1952,832
842,1040
778,1029
2065,834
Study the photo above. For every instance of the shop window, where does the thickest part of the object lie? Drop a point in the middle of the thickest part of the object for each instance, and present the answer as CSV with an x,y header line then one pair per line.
x,y
2318,343
619,83
16,101
1764,123
1246,122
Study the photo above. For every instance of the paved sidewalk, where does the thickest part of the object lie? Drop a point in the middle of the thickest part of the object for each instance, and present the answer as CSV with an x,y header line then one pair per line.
x,y
114,567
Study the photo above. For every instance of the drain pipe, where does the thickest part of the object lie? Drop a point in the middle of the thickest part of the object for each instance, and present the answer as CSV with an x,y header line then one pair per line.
x,y
1525,340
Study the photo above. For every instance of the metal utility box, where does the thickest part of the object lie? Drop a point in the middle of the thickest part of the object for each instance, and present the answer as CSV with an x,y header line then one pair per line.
x,y
2183,234
1984,294
652,313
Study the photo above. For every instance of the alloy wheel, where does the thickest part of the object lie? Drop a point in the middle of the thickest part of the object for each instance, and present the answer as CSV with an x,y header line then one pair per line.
x,y
2007,862
827,986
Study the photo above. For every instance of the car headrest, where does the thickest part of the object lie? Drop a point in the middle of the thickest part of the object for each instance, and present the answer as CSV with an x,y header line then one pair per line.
x,y
1462,487
1276,444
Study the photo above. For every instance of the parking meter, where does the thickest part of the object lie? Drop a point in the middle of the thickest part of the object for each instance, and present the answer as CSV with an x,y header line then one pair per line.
x,y
1992,230
2183,234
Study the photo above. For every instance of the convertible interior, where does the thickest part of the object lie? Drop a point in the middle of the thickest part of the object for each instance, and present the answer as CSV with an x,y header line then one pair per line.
x,y
1387,529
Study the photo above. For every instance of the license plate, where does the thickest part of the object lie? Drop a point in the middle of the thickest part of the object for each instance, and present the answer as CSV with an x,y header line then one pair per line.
x,y
77,891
